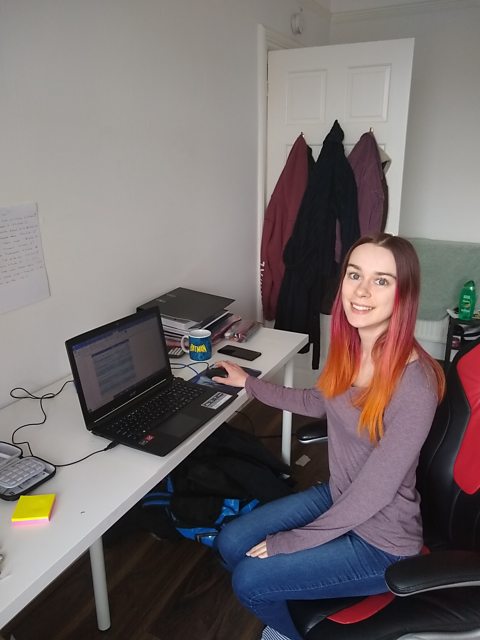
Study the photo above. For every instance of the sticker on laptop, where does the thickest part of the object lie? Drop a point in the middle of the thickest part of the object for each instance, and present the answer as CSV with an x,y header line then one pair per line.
x,y
216,401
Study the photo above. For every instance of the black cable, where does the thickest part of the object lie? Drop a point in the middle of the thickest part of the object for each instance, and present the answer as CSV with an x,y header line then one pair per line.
x,y
178,365
69,464
28,395
31,396
47,396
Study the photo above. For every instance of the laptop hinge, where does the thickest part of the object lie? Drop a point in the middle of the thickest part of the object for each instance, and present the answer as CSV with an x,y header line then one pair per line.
x,y
132,400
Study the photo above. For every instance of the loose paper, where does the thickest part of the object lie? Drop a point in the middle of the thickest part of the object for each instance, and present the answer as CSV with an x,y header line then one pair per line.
x,y
303,460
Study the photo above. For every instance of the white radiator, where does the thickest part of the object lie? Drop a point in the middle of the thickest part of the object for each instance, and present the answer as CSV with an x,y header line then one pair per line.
x,y
432,335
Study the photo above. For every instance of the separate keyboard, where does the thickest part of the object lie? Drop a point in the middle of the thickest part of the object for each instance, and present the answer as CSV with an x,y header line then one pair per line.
x,y
176,352
133,426
18,473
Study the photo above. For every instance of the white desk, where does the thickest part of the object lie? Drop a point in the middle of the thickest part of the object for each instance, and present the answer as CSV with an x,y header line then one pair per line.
x,y
94,494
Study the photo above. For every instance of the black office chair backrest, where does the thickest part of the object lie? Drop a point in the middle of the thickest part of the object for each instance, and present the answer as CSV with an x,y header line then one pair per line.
x,y
448,475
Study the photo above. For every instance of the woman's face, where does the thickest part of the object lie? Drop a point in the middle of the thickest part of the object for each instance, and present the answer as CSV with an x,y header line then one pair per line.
x,y
368,288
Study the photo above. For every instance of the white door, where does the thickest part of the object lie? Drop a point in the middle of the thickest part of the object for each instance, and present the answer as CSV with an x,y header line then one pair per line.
x,y
363,85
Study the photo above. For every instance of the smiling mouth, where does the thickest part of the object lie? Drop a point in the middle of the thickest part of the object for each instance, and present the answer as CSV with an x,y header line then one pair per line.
x,y
360,307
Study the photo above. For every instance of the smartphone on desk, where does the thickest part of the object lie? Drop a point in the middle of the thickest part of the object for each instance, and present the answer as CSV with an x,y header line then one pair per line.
x,y
239,352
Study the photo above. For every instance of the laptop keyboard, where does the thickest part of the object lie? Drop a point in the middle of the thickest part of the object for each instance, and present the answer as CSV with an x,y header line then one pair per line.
x,y
146,416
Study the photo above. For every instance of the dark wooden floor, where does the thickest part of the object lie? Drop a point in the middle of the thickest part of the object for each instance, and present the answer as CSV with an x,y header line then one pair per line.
x,y
159,589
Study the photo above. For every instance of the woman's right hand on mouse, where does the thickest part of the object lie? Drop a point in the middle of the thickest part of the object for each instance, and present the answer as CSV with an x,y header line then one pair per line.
x,y
236,375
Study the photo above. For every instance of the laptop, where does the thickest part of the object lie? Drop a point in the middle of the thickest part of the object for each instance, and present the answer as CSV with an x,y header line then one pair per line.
x,y
126,388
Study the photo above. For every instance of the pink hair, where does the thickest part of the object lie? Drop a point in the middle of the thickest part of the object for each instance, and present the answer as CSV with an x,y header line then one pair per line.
x,y
392,350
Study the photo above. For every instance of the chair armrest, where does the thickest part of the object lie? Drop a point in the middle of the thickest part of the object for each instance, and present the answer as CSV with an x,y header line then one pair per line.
x,y
437,570
313,432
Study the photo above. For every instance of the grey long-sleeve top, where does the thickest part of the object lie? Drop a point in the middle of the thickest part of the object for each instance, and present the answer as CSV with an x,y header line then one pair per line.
x,y
372,485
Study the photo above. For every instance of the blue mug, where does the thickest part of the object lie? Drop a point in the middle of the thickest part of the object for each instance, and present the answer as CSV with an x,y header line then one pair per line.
x,y
199,344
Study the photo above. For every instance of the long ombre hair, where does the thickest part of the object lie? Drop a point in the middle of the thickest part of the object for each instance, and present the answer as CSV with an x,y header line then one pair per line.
x,y
392,350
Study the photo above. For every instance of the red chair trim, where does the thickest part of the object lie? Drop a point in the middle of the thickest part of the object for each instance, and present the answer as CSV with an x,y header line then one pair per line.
x,y
466,470
363,609
368,606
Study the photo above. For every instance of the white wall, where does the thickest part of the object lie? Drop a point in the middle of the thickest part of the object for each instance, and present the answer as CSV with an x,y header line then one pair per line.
x,y
441,188
133,125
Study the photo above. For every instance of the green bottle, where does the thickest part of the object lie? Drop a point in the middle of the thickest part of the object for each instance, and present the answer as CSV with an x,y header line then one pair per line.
x,y
466,304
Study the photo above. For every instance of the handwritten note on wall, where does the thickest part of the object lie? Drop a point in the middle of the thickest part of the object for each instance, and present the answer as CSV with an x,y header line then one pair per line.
x,y
23,276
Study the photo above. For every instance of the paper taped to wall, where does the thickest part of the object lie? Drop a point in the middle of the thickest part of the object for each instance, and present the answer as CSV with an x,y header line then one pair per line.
x,y
23,275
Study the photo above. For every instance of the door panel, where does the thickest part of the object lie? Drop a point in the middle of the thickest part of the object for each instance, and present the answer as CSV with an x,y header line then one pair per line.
x,y
363,86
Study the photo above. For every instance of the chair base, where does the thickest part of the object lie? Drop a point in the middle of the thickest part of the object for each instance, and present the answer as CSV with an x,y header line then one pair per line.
x,y
447,614
312,432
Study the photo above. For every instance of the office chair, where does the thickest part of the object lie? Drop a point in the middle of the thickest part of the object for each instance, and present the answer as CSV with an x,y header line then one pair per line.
x,y
436,595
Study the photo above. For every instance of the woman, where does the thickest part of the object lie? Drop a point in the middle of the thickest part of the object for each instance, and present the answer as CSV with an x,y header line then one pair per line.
x,y
379,390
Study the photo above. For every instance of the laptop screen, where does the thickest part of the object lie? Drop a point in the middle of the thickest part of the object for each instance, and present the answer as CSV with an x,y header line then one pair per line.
x,y
114,363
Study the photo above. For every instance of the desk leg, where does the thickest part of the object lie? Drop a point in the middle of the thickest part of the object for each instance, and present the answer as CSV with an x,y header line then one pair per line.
x,y
99,579
287,417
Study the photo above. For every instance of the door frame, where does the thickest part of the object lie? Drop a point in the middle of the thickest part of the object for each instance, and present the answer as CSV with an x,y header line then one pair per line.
x,y
267,40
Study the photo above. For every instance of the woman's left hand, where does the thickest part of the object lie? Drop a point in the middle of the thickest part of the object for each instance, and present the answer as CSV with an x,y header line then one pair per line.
x,y
258,551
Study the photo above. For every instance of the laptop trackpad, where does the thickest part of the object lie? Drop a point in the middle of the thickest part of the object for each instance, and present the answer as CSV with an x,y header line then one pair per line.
x,y
179,425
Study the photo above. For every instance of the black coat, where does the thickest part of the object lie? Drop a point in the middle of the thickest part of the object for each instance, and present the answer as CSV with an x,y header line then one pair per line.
x,y
309,256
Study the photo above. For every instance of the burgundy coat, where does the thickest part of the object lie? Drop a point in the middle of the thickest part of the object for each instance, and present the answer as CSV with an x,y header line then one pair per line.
x,y
371,185
279,220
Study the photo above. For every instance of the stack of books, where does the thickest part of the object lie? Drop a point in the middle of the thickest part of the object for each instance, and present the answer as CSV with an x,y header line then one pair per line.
x,y
184,309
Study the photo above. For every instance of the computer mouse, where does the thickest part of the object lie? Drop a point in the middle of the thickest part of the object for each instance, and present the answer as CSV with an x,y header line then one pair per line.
x,y
217,372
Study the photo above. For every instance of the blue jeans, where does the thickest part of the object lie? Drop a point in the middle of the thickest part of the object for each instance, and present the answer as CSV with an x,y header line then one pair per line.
x,y
346,566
